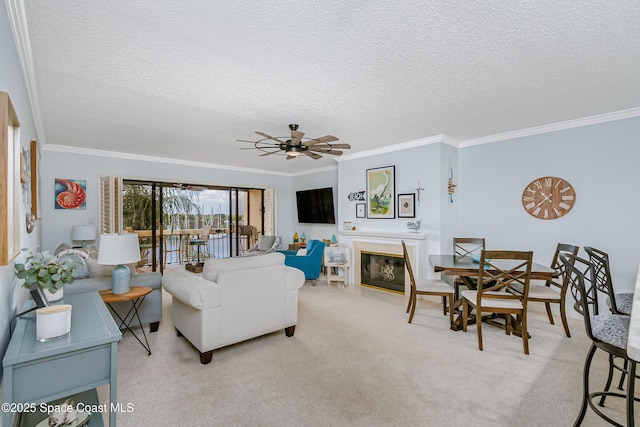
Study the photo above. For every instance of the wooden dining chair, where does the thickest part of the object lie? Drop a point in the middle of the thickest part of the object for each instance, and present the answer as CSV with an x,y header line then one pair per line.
x,y
553,291
427,287
465,247
503,270
607,332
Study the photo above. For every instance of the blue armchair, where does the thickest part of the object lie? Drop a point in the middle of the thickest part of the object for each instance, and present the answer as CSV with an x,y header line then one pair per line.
x,y
311,263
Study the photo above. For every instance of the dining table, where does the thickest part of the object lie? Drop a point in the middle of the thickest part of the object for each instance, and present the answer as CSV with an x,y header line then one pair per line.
x,y
467,268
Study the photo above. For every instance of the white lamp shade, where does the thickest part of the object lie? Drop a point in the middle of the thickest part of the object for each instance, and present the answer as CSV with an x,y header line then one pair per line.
x,y
83,232
118,249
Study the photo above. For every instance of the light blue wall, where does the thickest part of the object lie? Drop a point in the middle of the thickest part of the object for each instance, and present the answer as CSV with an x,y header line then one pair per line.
x,y
57,223
12,82
422,164
599,161
321,179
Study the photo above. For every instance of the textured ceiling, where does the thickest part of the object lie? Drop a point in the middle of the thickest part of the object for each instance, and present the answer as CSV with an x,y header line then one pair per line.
x,y
187,79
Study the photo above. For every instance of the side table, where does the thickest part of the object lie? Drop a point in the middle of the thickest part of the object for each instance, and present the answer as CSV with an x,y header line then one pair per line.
x,y
136,295
36,372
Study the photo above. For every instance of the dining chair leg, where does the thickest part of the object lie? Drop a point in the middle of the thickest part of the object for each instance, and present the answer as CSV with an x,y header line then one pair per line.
x,y
411,295
465,313
479,327
450,310
585,386
413,307
563,316
609,378
549,314
444,305
525,333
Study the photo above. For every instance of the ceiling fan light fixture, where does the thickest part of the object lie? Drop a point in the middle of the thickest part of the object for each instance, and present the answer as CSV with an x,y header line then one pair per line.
x,y
297,145
294,150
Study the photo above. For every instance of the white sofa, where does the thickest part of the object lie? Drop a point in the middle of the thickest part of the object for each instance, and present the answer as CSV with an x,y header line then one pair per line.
x,y
234,299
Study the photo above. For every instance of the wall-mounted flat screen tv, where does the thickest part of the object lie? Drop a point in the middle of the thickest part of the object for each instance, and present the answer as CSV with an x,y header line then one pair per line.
x,y
316,206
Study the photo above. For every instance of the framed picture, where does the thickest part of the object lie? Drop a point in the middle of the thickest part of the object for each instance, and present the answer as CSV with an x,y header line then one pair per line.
x,y
381,192
361,210
10,157
407,205
35,180
70,193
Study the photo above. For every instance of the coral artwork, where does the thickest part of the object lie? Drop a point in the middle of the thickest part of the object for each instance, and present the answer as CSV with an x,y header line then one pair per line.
x,y
70,193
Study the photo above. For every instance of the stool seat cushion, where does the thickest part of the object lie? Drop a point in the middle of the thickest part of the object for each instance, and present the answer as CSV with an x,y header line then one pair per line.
x,y
624,302
611,329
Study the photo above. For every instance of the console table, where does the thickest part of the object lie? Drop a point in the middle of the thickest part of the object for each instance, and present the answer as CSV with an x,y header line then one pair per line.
x,y
38,372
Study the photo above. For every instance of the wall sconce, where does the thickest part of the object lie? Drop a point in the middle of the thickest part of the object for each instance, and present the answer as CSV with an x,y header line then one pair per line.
x,y
451,187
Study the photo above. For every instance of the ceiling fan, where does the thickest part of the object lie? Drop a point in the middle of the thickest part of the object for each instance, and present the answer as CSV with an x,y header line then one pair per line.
x,y
190,187
297,145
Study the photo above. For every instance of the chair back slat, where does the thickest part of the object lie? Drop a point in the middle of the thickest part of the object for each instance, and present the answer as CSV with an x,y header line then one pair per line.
x,y
602,276
467,246
558,279
579,276
500,271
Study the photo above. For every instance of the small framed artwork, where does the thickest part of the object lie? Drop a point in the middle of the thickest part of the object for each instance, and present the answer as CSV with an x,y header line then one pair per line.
x,y
70,194
381,192
407,205
361,210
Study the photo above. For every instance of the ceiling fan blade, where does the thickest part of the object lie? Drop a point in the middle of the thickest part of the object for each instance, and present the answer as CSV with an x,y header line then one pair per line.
x,y
342,146
322,139
271,137
291,157
312,155
325,151
269,153
296,137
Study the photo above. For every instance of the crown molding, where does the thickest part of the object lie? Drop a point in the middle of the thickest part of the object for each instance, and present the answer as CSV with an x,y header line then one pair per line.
x,y
155,159
553,127
442,138
318,170
20,27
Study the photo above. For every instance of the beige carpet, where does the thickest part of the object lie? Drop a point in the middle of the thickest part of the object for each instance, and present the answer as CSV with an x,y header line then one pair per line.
x,y
355,361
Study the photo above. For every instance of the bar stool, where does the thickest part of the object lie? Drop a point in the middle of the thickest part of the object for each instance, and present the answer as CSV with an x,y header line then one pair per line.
x,y
607,332
200,244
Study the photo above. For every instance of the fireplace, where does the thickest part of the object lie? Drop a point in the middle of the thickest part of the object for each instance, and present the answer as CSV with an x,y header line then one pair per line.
x,y
382,270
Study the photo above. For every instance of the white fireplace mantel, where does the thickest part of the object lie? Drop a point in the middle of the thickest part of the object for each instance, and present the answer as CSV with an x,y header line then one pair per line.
x,y
384,234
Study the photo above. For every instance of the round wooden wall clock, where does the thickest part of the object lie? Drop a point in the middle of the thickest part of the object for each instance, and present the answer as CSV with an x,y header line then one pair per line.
x,y
548,197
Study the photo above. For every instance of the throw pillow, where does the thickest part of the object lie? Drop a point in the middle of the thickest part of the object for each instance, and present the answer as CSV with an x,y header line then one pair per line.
x,y
301,252
61,247
265,242
99,270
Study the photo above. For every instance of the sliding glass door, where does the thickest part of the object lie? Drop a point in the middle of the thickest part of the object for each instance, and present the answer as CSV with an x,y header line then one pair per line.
x,y
168,216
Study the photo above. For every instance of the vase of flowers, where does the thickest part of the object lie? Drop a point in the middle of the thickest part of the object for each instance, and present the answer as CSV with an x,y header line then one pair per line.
x,y
41,269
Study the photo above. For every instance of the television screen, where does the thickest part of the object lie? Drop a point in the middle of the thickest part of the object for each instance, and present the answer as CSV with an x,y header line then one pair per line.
x,y
316,206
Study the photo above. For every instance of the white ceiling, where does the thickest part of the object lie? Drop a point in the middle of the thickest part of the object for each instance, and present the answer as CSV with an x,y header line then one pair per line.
x,y
186,79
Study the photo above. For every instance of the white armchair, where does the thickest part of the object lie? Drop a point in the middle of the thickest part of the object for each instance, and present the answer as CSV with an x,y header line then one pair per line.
x,y
234,299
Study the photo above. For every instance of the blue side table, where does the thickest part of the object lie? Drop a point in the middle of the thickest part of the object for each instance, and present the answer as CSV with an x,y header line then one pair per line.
x,y
38,372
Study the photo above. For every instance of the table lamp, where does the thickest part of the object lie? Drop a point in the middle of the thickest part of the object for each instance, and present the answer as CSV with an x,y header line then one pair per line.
x,y
84,233
119,249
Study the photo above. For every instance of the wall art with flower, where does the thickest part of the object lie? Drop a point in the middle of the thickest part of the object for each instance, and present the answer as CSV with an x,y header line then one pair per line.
x,y
70,193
